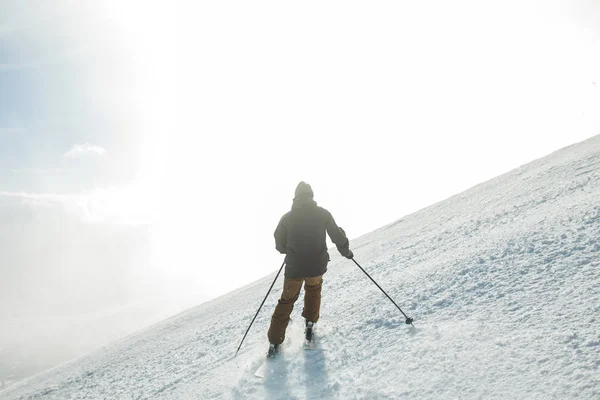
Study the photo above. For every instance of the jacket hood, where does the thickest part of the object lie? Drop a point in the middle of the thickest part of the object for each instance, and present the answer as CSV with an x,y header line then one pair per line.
x,y
303,190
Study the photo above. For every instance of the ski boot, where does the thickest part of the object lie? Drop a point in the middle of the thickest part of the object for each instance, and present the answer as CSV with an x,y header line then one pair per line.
x,y
308,331
273,350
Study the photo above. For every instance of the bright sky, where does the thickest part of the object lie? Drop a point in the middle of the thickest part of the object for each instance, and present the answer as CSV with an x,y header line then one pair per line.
x,y
199,118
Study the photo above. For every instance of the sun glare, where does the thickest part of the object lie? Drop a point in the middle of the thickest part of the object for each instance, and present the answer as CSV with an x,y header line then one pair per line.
x,y
231,114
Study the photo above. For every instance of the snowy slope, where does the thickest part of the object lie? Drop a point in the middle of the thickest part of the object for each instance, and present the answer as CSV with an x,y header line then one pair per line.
x,y
502,280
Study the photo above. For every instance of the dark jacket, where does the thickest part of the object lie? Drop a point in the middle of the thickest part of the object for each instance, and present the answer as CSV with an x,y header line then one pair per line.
x,y
300,235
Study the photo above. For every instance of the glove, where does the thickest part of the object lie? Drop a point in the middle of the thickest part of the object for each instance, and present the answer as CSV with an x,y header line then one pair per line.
x,y
349,255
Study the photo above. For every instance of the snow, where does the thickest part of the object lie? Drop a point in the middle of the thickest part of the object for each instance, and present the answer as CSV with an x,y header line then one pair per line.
x,y
502,281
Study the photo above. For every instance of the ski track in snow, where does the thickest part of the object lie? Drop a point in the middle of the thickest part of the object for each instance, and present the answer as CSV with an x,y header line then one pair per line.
x,y
502,280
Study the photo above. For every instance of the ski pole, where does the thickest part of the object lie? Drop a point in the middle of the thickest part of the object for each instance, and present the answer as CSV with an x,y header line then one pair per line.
x,y
261,304
409,321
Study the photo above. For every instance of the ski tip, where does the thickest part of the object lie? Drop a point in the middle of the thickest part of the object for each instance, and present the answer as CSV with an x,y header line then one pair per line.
x,y
261,371
309,345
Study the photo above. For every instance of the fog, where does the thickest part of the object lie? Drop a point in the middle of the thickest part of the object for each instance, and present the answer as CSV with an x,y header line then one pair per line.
x,y
69,285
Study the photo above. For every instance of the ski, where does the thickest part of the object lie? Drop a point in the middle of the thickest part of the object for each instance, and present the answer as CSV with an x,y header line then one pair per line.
x,y
270,357
310,344
262,369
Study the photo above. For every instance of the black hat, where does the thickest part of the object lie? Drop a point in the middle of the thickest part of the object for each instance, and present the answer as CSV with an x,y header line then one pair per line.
x,y
304,189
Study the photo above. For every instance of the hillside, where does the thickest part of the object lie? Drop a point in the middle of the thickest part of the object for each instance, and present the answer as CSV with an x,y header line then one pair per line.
x,y
502,281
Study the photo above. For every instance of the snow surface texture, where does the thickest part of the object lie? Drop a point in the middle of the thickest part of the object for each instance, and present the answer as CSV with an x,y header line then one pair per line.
x,y
502,280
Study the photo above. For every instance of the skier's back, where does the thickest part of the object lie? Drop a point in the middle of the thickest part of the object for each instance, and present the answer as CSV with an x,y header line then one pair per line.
x,y
301,236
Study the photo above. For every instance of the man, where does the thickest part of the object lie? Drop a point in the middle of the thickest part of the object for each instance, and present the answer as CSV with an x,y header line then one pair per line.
x,y
300,235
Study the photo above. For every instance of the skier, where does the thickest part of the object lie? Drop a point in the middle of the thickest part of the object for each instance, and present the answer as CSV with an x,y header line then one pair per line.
x,y
300,235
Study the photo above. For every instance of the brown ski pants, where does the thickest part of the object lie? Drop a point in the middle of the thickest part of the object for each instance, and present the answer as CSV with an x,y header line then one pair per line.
x,y
291,291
